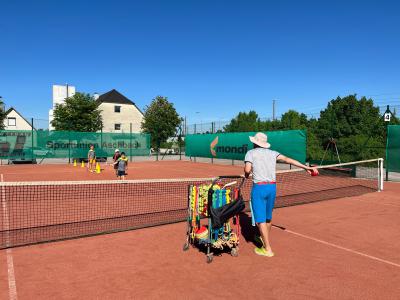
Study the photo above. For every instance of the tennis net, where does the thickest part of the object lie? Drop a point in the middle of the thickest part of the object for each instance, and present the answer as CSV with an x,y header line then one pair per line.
x,y
36,212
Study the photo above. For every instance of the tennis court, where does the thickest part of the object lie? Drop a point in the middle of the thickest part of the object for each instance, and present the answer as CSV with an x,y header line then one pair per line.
x,y
137,170
342,248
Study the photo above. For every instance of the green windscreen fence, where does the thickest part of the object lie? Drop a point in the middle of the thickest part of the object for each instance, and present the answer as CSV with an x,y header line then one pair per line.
x,y
393,148
17,144
291,143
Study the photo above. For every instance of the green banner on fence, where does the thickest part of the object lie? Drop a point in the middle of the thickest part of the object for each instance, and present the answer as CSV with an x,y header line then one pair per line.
x,y
69,144
291,143
393,148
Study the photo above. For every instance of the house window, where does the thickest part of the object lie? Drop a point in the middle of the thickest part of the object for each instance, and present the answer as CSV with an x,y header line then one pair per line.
x,y
117,108
12,122
117,126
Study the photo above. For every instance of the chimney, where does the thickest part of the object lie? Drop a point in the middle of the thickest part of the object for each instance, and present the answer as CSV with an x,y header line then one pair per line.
x,y
96,96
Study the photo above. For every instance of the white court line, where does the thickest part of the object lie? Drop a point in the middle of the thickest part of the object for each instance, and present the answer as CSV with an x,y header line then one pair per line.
x,y
12,286
343,248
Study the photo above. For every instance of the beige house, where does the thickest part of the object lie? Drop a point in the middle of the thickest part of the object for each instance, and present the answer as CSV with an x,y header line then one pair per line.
x,y
15,121
118,113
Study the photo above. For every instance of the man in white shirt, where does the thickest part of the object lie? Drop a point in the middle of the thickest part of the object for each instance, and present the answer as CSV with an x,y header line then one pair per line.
x,y
261,163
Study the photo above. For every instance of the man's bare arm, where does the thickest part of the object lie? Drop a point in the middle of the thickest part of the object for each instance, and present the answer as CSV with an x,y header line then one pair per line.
x,y
296,163
247,169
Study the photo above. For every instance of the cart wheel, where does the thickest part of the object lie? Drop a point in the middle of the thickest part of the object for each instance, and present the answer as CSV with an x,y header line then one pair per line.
x,y
235,252
186,246
210,258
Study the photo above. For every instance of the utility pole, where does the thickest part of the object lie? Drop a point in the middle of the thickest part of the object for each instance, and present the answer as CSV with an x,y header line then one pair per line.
x,y
273,110
185,128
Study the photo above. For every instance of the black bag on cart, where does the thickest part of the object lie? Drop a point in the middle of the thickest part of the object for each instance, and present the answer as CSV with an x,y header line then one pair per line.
x,y
222,214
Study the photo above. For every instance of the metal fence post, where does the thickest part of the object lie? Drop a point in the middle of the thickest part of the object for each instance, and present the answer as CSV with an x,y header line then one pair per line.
x,y
212,131
387,161
101,140
69,146
130,142
380,175
32,138
180,140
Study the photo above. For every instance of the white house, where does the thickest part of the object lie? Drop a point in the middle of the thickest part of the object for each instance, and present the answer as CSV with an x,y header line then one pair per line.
x,y
119,113
15,121
60,93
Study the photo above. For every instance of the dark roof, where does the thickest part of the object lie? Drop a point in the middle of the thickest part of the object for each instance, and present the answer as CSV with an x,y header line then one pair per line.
x,y
13,109
114,96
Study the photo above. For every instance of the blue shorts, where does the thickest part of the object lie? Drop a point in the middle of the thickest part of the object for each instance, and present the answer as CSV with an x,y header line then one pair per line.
x,y
263,201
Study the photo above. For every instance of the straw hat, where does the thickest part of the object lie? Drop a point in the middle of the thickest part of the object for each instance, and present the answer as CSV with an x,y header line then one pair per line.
x,y
260,139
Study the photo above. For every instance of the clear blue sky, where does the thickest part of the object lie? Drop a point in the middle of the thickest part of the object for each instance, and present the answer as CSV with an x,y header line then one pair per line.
x,y
212,57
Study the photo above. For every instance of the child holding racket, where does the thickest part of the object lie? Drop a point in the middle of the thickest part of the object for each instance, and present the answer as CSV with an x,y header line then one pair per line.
x,y
261,163
122,163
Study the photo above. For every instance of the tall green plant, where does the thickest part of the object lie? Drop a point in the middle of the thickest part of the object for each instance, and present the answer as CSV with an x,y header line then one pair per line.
x,y
160,120
79,113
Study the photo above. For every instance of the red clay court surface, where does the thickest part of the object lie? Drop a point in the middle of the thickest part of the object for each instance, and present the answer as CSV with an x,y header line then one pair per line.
x,y
339,249
136,170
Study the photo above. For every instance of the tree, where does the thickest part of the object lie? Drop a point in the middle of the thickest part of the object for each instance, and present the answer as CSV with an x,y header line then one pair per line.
x,y
293,120
269,125
79,113
244,122
349,116
356,125
2,114
160,120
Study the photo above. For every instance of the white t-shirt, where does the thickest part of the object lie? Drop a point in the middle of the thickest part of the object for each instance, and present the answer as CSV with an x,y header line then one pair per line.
x,y
264,164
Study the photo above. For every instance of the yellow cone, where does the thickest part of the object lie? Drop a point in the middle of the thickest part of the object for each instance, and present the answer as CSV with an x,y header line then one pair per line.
x,y
98,168
82,164
74,162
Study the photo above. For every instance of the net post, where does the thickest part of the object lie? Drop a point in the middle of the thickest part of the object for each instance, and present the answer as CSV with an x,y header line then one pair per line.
x,y
380,174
